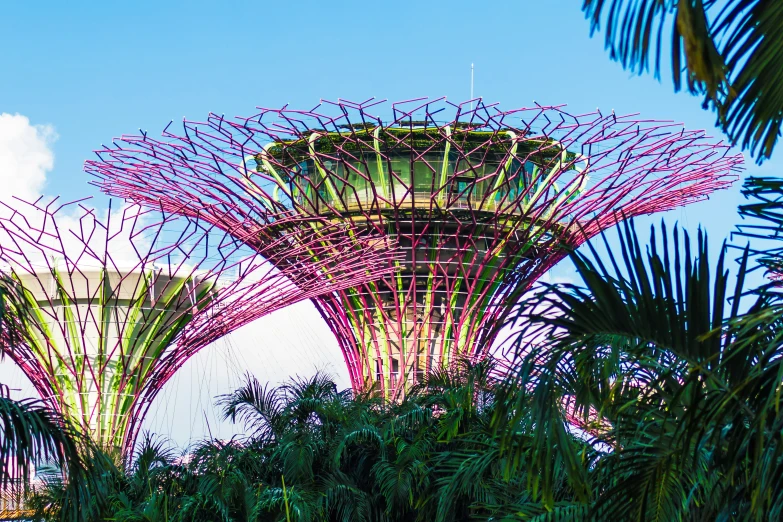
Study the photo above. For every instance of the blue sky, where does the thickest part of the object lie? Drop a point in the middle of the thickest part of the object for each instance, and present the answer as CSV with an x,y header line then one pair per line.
x,y
94,71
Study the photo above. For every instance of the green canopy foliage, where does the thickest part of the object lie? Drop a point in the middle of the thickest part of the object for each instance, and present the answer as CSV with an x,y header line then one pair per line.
x,y
316,453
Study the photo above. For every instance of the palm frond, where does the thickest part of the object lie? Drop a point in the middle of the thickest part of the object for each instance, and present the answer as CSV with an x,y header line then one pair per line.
x,y
30,434
731,52
258,406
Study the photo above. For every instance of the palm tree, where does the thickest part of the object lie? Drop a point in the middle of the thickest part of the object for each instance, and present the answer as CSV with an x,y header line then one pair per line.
x,y
435,456
477,416
730,52
685,377
31,434
296,430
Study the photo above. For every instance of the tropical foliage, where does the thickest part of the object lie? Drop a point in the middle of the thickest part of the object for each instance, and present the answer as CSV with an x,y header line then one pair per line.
x,y
729,52
648,391
684,376
319,454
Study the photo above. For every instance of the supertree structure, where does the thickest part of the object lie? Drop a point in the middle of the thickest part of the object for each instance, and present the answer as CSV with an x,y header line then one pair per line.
x,y
480,201
109,308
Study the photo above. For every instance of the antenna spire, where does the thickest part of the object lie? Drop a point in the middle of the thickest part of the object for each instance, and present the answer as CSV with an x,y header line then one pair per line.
x,y
471,86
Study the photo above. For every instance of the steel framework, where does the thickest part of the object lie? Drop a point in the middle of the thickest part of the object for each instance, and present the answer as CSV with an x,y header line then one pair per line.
x,y
111,308
480,201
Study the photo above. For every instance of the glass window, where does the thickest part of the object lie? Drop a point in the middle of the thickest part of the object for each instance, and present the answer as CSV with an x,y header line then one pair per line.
x,y
516,179
401,179
358,181
425,173
299,184
401,166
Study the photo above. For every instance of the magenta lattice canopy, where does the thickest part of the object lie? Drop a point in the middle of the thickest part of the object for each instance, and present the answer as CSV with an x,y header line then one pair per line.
x,y
481,202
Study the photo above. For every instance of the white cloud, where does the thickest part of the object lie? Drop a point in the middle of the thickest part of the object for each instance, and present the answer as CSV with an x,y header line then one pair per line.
x,y
25,156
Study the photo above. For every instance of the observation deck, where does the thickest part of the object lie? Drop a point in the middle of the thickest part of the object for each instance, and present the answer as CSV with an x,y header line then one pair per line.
x,y
421,169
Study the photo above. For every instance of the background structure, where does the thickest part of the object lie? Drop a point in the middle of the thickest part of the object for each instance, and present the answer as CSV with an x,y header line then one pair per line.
x,y
113,307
